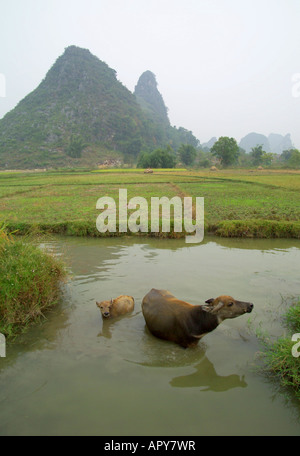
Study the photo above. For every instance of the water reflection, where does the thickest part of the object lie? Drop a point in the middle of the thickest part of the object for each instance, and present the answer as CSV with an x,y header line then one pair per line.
x,y
109,325
206,376
165,355
115,246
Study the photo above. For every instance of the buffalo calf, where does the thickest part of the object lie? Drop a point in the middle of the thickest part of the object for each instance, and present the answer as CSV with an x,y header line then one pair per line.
x,y
115,307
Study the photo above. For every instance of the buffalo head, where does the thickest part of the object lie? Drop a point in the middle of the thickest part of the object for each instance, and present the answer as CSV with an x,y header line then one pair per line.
x,y
227,307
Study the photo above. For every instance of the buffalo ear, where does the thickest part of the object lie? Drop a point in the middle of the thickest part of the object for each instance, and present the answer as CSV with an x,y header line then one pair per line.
x,y
213,309
209,307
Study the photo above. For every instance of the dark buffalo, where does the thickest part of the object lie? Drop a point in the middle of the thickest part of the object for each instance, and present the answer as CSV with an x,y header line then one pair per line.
x,y
169,318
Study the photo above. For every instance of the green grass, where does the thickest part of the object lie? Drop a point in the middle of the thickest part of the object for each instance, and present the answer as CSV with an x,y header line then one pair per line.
x,y
237,202
278,356
29,283
267,229
229,200
292,317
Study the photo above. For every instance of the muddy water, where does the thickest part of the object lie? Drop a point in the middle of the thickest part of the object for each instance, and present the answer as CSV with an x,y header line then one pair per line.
x,y
74,375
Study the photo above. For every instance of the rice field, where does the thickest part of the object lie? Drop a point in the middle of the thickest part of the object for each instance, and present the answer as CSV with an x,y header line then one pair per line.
x,y
58,200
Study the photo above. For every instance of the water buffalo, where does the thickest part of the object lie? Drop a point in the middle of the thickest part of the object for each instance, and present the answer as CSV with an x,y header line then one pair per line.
x,y
169,318
115,307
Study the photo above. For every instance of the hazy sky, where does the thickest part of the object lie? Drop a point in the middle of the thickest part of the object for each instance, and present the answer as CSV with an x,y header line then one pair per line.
x,y
224,67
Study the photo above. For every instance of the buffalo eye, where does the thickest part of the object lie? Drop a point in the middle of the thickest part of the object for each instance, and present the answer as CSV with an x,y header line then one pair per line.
x,y
230,304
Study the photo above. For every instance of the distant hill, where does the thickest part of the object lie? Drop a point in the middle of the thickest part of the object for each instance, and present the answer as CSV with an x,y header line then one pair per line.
x,y
150,99
152,104
209,144
81,114
279,143
274,143
253,140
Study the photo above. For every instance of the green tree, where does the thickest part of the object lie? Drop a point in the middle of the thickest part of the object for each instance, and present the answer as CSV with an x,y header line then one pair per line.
x,y
267,158
256,155
143,160
158,158
259,157
294,160
226,150
187,154
290,157
286,155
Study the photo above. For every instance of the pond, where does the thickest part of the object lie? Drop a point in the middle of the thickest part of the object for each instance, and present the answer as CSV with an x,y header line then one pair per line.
x,y
77,375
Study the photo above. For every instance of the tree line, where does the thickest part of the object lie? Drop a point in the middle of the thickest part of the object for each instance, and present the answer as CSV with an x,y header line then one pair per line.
x,y
167,157
225,152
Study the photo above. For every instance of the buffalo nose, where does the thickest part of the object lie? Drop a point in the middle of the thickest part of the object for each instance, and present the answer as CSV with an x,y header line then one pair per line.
x,y
250,307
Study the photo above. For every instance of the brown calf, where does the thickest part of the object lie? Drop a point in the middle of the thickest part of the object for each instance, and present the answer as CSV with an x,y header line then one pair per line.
x,y
115,307
169,318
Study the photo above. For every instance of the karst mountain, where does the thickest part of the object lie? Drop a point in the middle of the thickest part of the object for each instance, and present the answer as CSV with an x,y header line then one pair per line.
x,y
81,113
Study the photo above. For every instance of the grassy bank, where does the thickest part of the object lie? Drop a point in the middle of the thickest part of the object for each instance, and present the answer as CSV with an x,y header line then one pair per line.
x,y
264,229
240,203
279,358
267,229
29,283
